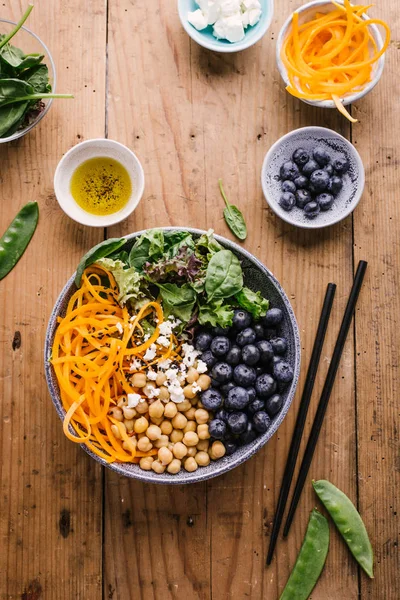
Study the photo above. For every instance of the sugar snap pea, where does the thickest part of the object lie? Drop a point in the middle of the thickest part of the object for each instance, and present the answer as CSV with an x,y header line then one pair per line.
x,y
349,523
17,237
310,561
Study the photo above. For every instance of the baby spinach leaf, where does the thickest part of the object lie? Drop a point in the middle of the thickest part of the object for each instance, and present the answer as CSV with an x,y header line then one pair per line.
x,y
150,246
175,240
253,302
17,90
38,78
11,116
224,277
14,60
215,313
233,217
207,244
177,300
99,251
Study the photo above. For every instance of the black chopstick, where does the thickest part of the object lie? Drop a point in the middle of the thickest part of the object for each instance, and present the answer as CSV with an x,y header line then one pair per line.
x,y
301,417
326,392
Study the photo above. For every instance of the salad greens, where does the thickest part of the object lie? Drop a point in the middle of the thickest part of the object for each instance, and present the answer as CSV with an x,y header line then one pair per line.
x,y
24,83
197,279
233,217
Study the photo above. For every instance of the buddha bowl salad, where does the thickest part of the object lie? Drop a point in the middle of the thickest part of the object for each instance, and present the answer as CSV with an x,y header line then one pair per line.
x,y
164,358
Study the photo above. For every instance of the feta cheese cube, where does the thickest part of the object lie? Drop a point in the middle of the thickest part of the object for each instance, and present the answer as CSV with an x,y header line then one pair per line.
x,y
163,340
230,28
197,19
133,400
229,7
151,375
201,366
150,352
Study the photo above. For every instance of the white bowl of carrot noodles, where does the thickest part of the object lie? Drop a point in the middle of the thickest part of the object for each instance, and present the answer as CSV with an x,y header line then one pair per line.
x,y
331,54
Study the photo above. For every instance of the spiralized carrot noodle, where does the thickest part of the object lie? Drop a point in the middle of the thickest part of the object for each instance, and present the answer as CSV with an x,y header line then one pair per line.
x,y
332,55
91,360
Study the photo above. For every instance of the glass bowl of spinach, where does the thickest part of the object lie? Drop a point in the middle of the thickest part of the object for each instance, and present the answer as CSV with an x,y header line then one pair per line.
x,y
25,59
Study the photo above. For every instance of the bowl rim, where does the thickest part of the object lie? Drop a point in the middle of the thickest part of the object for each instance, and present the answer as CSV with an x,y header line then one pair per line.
x,y
18,134
350,98
217,46
219,469
113,218
313,224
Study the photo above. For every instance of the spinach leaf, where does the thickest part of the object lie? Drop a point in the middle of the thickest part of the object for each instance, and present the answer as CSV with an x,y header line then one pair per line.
x,y
177,300
14,61
215,313
224,277
99,251
11,117
17,90
38,78
233,217
175,240
149,246
253,302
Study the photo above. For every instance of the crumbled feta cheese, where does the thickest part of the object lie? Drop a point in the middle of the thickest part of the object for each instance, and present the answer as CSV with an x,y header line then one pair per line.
x,y
163,341
165,328
230,18
201,366
136,365
133,400
189,354
229,7
119,327
195,388
146,337
152,393
165,364
151,375
172,374
230,28
176,394
150,352
198,19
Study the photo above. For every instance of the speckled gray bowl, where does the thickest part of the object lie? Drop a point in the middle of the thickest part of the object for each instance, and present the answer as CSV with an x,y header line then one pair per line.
x,y
257,277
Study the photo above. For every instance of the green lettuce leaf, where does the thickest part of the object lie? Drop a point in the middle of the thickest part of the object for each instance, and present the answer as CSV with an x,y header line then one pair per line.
x,y
253,302
215,314
129,281
177,300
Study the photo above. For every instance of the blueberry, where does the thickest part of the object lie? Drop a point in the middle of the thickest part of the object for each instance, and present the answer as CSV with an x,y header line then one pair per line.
x,y
261,421
220,346
329,169
209,358
249,435
255,406
289,170
211,399
222,372
244,376
215,383
303,197
259,371
300,157
319,179
341,165
234,356
287,201
225,389
325,201
241,319
265,385
237,399
288,186
310,167
247,336
252,393
220,330
237,422
202,341
273,404
250,355
335,185
259,329
301,183
283,372
279,345
230,447
321,156
273,317
312,209
221,414
266,351
217,429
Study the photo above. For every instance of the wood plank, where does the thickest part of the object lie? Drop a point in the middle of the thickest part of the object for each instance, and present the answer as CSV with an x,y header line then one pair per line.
x,y
376,238
51,495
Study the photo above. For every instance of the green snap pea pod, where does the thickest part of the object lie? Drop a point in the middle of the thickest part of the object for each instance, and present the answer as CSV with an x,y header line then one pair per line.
x,y
310,561
349,523
17,237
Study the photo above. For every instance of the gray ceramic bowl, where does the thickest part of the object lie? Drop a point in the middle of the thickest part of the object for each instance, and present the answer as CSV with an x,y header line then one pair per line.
x,y
257,277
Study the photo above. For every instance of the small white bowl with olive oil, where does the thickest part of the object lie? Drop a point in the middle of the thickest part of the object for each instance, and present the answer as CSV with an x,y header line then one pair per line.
x,y
99,182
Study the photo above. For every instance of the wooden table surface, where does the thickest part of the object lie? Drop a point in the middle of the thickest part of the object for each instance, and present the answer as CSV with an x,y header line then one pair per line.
x,y
73,530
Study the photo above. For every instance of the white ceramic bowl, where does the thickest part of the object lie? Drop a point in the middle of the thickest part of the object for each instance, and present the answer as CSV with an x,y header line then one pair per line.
x,y
306,12
92,149
206,38
308,138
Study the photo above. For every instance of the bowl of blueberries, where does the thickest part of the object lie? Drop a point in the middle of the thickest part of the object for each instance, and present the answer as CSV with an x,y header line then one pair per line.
x,y
312,177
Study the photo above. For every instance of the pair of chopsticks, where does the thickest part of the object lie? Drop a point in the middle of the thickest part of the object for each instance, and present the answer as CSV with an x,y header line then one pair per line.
x,y
322,406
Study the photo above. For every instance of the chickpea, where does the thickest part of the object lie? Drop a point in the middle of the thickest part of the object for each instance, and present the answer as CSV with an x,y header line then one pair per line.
x,y
174,466
194,401
188,391
156,409
148,388
153,432
179,421
157,467
129,425
162,442
116,413
184,406
192,375
142,408
203,445
191,464
201,416
202,458
217,450
204,381
123,401
130,446
179,450
176,436
170,410
190,439
165,456
164,394
129,413
138,380
161,379
191,426
146,463
189,414
116,431
144,444
166,427
200,404
170,446
202,431
141,425
191,451
156,421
